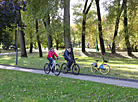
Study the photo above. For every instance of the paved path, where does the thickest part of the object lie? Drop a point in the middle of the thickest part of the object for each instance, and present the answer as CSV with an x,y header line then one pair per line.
x,y
8,53
81,77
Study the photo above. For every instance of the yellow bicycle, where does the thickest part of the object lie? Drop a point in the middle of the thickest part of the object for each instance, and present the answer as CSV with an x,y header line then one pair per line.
x,y
103,68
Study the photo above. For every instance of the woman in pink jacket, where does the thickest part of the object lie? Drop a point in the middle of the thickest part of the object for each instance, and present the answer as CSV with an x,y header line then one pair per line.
x,y
50,56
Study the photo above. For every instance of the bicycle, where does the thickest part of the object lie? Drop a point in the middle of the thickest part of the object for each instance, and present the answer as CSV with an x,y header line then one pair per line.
x,y
75,67
103,68
54,66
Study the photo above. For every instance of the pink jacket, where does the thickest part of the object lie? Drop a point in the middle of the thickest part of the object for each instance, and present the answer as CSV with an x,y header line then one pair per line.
x,y
51,54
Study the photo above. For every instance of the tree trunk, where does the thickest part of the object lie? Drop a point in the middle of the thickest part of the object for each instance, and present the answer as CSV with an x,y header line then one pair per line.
x,y
117,26
83,33
83,26
31,47
100,27
129,50
49,37
22,39
31,44
38,41
85,12
67,39
22,44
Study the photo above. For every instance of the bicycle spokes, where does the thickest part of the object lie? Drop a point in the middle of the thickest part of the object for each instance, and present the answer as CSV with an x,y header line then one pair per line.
x,y
105,69
75,69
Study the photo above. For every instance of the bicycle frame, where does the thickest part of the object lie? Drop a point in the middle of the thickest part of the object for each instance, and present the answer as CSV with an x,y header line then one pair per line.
x,y
53,64
74,67
74,62
101,66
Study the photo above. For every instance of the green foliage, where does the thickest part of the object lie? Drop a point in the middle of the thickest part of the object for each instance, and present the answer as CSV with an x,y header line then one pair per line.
x,y
91,22
113,8
29,30
7,40
57,31
40,10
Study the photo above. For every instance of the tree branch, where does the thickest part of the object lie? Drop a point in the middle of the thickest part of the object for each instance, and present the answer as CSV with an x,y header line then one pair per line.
x,y
89,7
85,6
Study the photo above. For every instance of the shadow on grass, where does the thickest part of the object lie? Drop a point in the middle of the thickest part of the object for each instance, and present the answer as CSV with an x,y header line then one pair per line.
x,y
133,56
108,55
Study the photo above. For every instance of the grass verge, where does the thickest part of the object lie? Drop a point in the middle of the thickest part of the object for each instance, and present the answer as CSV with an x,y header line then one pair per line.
x,y
18,86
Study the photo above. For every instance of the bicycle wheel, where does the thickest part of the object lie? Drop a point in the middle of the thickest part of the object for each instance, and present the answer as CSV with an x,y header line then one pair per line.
x,y
105,69
57,69
64,68
75,69
46,68
93,70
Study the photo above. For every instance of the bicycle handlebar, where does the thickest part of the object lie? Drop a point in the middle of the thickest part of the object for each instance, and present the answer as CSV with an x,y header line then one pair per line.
x,y
75,58
55,58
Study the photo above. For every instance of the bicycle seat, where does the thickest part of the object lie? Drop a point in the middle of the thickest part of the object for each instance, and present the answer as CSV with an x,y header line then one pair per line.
x,y
105,61
96,60
75,58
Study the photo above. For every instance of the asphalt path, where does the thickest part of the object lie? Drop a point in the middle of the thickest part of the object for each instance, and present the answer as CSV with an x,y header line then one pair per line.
x,y
113,81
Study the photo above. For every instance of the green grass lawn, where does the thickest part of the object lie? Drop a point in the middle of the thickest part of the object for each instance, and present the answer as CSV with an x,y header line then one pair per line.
x,y
120,67
16,86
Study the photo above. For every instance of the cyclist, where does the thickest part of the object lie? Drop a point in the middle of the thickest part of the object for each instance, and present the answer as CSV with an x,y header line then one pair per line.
x,y
50,56
67,56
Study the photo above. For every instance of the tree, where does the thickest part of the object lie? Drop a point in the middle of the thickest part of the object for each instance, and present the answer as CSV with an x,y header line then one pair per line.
x,y
100,27
57,33
85,12
117,24
22,43
30,30
49,37
90,26
67,39
115,18
129,50
8,16
10,11
45,11
21,37
34,7
38,41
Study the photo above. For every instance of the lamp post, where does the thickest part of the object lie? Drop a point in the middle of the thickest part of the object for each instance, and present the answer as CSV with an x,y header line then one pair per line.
x,y
17,44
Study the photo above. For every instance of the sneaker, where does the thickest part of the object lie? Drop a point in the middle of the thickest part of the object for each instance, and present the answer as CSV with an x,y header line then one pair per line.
x,y
68,69
52,70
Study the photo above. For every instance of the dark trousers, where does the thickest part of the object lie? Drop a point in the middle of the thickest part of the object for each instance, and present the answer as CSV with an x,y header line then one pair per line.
x,y
69,62
50,61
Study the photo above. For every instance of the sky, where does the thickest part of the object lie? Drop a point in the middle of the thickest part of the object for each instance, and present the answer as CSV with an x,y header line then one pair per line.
x,y
103,12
